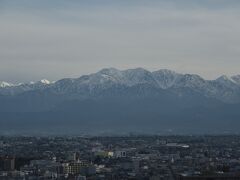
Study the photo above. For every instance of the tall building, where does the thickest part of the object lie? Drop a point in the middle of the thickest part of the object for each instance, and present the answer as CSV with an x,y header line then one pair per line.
x,y
79,167
7,163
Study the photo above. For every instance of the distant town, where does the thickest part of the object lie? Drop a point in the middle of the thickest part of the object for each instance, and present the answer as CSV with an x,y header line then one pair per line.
x,y
118,158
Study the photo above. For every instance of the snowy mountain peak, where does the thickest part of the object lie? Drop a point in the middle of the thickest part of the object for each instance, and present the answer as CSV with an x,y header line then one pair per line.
x,y
165,78
236,79
137,73
137,70
192,77
225,79
4,84
42,81
109,71
165,71
138,76
45,81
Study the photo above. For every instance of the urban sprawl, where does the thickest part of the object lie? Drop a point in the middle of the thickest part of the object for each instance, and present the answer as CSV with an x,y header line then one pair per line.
x,y
119,158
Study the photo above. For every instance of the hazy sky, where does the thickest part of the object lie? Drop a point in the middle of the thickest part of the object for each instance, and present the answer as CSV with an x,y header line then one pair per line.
x,y
67,38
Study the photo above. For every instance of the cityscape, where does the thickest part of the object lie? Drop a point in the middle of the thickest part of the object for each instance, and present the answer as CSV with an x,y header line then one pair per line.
x,y
126,157
119,90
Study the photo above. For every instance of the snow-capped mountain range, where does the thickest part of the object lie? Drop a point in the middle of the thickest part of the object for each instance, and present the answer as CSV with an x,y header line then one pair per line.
x,y
224,88
14,89
4,84
123,101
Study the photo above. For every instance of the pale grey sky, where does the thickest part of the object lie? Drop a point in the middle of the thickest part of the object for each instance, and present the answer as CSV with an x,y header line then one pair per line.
x,y
68,38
